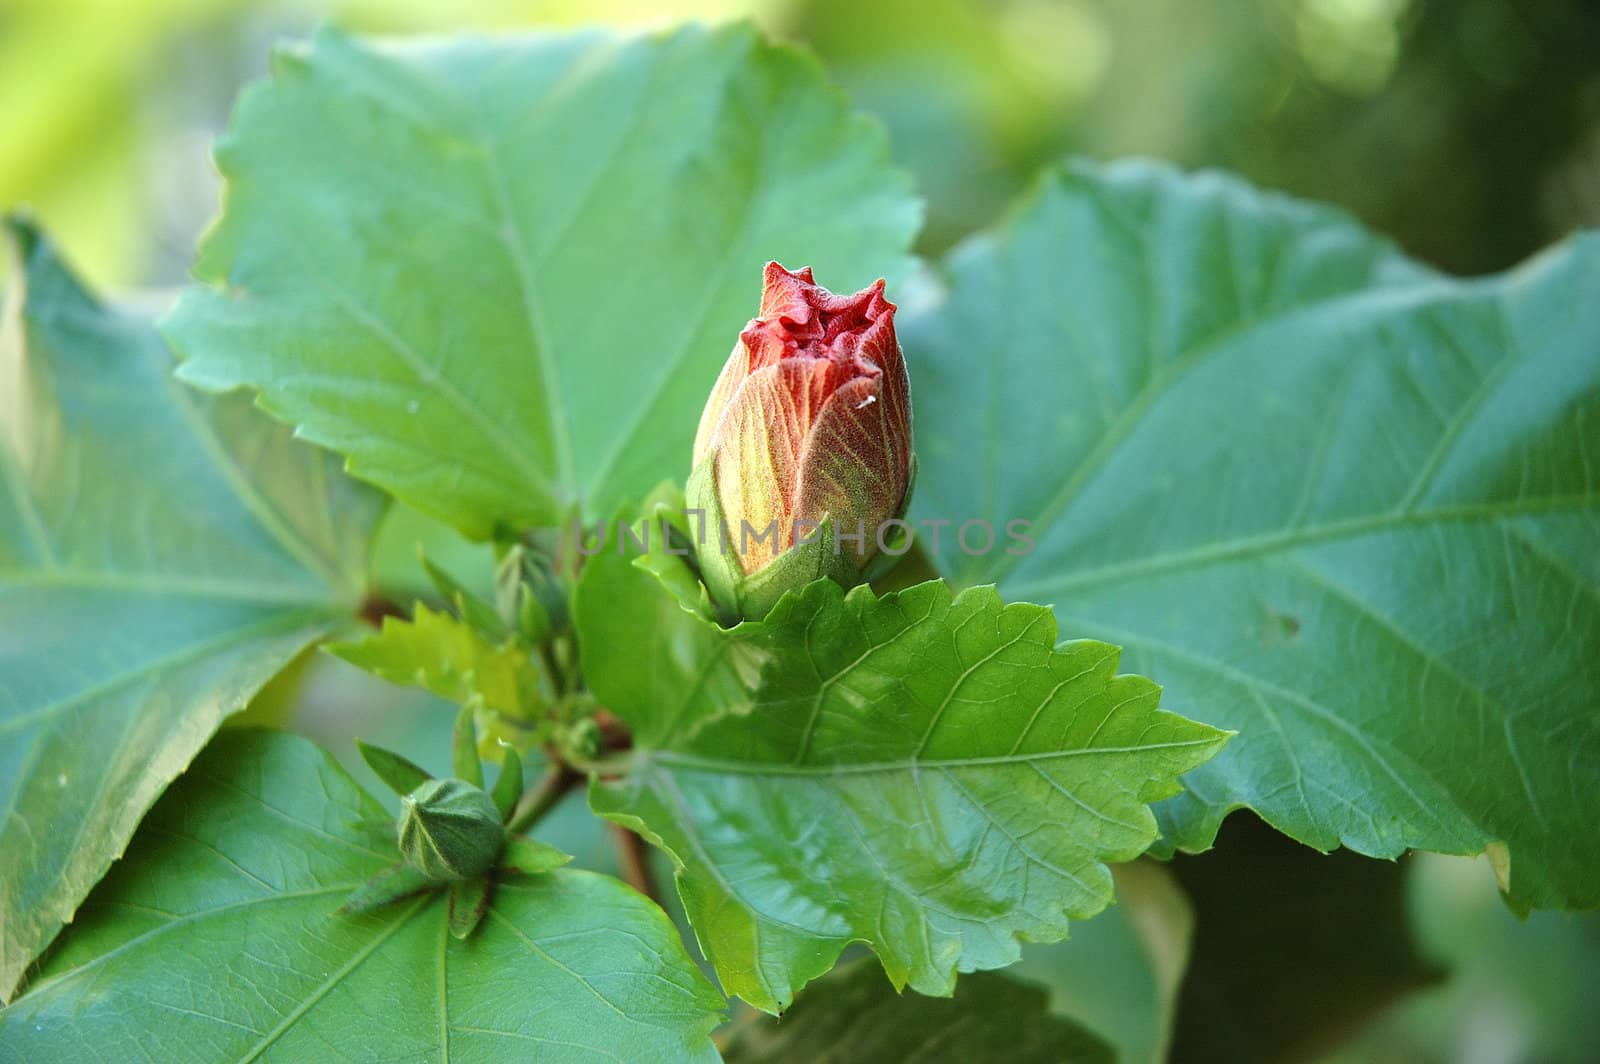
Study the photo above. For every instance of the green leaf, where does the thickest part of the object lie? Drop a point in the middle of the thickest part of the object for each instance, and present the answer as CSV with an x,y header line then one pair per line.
x,y
1345,507
262,837
641,647
443,654
501,274
927,774
162,555
855,1014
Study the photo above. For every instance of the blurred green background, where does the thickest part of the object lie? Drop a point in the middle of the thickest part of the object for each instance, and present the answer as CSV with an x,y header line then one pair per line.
x,y
1469,130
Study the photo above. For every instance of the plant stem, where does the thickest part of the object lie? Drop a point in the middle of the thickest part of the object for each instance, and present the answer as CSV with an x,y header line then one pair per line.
x,y
542,797
634,859
616,764
376,607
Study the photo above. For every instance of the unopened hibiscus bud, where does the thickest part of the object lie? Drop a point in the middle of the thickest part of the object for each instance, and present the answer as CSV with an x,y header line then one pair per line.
x,y
803,457
450,830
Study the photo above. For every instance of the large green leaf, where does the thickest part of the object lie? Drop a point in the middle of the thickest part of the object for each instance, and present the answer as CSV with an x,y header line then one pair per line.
x,y
924,773
219,938
500,275
162,555
856,1015
1343,506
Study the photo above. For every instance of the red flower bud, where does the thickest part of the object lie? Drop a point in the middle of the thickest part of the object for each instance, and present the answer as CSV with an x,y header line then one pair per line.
x,y
809,421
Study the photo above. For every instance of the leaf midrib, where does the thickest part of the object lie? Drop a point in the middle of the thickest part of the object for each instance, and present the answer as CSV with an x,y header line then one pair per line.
x,y
143,346
1246,547
157,583
1325,714
27,507
749,212
12,309
266,515
274,624
54,983
336,978
428,376
1162,377
511,241
772,768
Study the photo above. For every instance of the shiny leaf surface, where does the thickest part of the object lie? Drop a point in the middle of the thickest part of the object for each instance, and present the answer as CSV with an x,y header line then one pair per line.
x,y
262,839
927,774
500,274
162,555
1348,508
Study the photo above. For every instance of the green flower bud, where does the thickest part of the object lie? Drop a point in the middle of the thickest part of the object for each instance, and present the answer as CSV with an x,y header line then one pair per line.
x,y
802,462
528,595
450,830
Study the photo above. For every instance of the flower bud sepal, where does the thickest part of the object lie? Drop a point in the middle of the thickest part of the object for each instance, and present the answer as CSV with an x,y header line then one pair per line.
x,y
738,595
469,900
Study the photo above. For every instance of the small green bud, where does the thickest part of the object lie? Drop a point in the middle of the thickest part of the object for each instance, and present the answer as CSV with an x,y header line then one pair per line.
x,y
583,738
529,596
469,607
450,830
